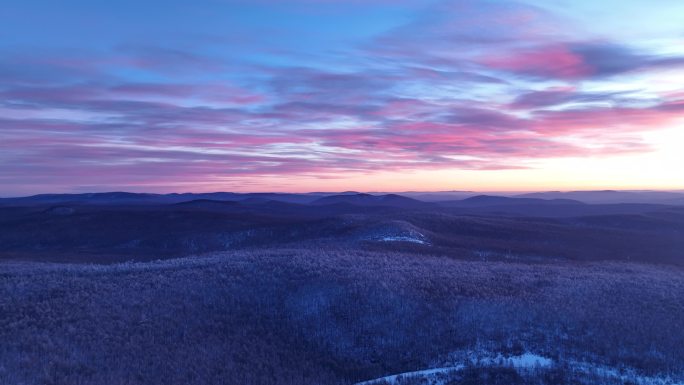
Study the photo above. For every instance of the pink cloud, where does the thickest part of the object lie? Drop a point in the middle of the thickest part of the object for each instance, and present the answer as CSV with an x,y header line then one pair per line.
x,y
556,61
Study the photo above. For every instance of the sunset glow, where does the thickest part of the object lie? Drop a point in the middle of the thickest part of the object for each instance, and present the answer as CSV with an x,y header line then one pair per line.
x,y
338,95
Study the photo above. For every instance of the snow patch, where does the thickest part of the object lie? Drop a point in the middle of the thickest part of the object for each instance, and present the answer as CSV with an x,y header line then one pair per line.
x,y
624,375
393,231
440,376
402,239
526,360
523,363
435,376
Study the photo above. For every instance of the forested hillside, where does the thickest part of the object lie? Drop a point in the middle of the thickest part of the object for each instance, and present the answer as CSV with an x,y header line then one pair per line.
x,y
334,316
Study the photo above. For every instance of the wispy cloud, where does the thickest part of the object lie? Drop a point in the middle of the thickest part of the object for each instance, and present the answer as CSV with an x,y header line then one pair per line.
x,y
477,85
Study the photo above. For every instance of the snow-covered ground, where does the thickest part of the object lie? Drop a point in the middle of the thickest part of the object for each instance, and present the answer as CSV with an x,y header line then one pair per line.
x,y
402,239
435,376
525,360
627,376
439,376
393,231
528,360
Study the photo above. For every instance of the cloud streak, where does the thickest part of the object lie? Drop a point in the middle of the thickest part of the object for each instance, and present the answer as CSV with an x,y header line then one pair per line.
x,y
472,85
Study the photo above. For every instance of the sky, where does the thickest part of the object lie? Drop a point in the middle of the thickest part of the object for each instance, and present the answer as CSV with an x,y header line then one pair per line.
x,y
334,95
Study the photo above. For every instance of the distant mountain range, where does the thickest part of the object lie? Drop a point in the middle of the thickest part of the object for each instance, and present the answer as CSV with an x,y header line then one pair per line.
x,y
462,199
391,200
107,227
491,200
613,196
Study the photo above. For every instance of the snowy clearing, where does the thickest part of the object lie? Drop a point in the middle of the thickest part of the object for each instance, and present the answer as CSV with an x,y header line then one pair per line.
x,y
402,239
435,376
525,362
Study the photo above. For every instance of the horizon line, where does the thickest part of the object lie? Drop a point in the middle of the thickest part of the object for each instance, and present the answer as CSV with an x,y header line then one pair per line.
x,y
398,192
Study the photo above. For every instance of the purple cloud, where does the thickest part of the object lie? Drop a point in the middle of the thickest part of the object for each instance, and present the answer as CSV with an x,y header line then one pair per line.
x,y
478,85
